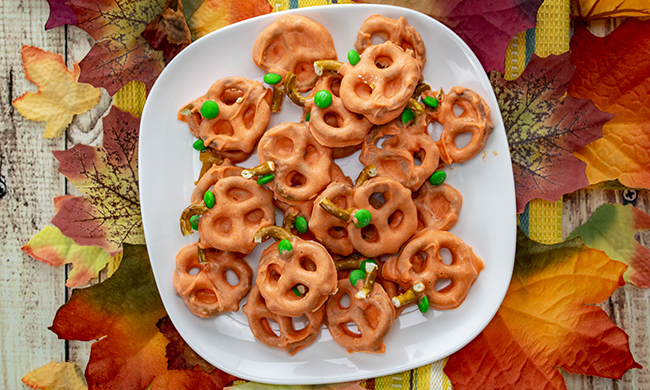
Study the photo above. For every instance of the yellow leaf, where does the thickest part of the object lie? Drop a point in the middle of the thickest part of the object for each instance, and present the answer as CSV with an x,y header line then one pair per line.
x,y
59,95
215,14
56,376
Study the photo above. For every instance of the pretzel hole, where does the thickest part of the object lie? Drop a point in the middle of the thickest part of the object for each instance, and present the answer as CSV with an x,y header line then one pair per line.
x,y
345,301
463,139
351,329
223,226
393,87
284,147
363,90
272,326
332,119
237,194
231,277
379,37
304,72
446,256
274,272
194,271
383,62
419,262
395,219
307,264
296,179
206,296
377,200
458,110
369,233
435,130
299,323
337,232
418,157
406,45
383,141
441,284
222,128
274,51
293,295
229,96
335,87
254,217
249,117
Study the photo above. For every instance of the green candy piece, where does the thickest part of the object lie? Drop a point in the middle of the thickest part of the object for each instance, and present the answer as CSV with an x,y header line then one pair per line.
x,y
430,101
362,267
323,98
423,305
407,115
307,117
194,221
285,248
363,217
210,109
265,179
438,178
199,145
356,275
208,199
295,291
272,78
353,57
301,224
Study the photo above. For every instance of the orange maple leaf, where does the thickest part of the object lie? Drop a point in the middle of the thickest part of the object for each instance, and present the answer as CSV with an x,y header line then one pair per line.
x,y
548,320
60,97
614,72
603,9
215,14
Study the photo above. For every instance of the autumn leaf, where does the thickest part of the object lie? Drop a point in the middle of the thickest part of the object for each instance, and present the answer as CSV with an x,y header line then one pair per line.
x,y
326,386
548,320
179,354
611,229
121,313
120,53
169,32
215,14
60,14
56,376
614,72
109,212
588,10
544,127
486,26
60,97
53,248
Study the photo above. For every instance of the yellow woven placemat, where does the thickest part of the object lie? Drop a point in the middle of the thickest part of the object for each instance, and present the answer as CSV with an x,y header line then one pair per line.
x,y
541,220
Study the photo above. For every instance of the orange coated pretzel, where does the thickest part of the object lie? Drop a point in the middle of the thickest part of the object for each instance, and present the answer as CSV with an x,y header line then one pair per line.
x,y
475,119
394,149
302,165
308,265
373,317
335,126
241,208
438,206
244,114
397,31
393,222
289,339
291,44
380,85
208,293
420,261
328,229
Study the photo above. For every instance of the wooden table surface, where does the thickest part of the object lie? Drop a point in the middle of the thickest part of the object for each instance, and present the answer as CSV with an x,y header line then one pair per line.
x,y
32,291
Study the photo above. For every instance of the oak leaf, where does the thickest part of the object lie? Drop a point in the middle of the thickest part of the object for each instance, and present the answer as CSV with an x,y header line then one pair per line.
x,y
109,212
215,14
120,53
587,10
60,97
614,72
486,26
611,229
52,247
56,376
548,320
544,127
60,14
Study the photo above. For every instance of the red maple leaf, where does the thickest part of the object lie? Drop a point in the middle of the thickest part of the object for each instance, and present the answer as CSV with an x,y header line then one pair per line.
x,y
60,14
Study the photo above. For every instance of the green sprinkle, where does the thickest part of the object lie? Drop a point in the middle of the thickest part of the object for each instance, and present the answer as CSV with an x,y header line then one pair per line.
x,y
208,199
272,78
438,178
194,221
430,101
407,115
353,57
301,224
362,218
356,275
265,179
307,117
295,291
210,109
423,305
363,264
323,98
285,248
199,145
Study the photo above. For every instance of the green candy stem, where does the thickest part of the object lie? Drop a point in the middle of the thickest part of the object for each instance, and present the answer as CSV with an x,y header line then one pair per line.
x,y
208,199
209,109
356,275
362,218
323,98
353,57
265,179
301,225
423,305
438,178
199,145
272,78
194,221
285,248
